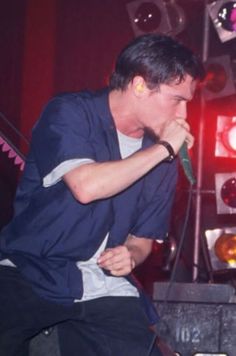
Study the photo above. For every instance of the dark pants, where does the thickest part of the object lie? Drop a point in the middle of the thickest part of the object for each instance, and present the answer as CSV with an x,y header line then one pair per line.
x,y
110,326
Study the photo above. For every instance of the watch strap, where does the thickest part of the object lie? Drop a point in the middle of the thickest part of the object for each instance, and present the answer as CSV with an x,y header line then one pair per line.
x,y
169,148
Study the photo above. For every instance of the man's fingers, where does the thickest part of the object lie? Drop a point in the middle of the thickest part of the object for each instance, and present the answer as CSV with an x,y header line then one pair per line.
x,y
117,260
189,140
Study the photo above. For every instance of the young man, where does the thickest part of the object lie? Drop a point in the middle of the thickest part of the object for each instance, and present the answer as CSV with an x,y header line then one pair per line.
x,y
97,188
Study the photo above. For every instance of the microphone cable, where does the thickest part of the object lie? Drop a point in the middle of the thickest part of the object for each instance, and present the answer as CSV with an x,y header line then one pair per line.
x,y
174,269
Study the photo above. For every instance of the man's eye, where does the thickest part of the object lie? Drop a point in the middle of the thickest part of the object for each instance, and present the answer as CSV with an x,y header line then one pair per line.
x,y
178,101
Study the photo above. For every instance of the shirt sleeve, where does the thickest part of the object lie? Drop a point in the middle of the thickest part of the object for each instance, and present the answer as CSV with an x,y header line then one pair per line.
x,y
58,172
61,134
154,208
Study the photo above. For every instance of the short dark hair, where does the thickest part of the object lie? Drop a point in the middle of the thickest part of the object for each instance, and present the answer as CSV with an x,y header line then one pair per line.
x,y
159,59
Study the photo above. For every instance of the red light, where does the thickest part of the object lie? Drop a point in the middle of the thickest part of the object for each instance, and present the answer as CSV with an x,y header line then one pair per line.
x,y
228,192
232,137
229,138
226,137
216,77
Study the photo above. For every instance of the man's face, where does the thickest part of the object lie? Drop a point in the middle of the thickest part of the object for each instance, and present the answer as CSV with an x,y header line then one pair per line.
x,y
168,103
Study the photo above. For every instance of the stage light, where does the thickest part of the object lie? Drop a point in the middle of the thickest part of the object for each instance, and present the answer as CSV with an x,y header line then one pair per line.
x,y
209,354
225,248
229,138
148,16
223,15
228,192
226,137
225,184
219,78
155,16
177,17
221,243
225,147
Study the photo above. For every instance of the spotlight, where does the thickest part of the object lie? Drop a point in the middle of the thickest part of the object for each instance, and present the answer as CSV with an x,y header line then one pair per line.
x,y
225,248
221,245
226,137
177,17
219,78
209,354
225,184
155,16
223,15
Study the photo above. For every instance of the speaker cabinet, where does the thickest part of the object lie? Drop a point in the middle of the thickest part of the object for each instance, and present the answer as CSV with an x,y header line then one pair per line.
x,y
192,326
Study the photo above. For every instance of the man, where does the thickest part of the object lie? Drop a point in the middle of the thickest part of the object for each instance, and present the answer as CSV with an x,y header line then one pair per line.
x,y
97,189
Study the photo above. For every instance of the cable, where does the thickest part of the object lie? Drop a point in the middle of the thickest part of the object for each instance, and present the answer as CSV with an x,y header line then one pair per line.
x,y
181,242
13,147
174,269
152,344
14,128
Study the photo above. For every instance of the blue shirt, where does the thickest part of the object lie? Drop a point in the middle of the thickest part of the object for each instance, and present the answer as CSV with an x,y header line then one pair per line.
x,y
51,230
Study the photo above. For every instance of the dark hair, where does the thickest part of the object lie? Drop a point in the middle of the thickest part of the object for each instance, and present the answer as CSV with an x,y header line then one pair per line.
x,y
159,59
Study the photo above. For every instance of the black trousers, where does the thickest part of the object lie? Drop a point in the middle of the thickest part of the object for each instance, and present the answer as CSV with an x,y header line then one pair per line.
x,y
110,326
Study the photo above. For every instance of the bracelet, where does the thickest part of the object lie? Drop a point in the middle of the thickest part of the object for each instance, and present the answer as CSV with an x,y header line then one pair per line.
x,y
169,149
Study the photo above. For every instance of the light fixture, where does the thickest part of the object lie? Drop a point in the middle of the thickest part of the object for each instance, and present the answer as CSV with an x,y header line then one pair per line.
x,y
177,17
225,184
155,16
223,15
210,354
221,243
219,78
226,136
225,248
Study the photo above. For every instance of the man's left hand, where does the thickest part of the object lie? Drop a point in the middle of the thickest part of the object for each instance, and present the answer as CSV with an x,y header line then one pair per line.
x,y
117,260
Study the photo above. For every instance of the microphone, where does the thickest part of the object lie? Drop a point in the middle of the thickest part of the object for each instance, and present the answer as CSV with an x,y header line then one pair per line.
x,y
186,163
183,156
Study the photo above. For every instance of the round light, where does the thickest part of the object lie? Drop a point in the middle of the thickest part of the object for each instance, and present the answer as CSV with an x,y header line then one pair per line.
x,y
216,78
225,248
228,192
148,17
232,137
177,17
229,138
227,16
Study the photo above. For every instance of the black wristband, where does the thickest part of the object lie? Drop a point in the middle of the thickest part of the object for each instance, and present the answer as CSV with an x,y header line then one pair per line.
x,y
169,149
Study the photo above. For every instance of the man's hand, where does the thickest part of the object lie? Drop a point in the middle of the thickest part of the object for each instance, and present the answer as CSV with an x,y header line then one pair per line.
x,y
121,260
117,260
176,132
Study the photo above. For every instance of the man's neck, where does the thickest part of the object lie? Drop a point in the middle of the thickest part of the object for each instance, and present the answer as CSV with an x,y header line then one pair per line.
x,y
123,113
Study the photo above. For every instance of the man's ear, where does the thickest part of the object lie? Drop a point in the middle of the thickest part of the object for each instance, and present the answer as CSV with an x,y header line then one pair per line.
x,y
139,86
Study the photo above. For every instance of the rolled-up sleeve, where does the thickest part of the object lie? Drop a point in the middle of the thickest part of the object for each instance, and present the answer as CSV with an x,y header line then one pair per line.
x,y
61,134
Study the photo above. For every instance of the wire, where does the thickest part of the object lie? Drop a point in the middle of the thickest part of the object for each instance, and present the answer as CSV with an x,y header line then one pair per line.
x,y
14,128
17,151
152,344
181,242
174,269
